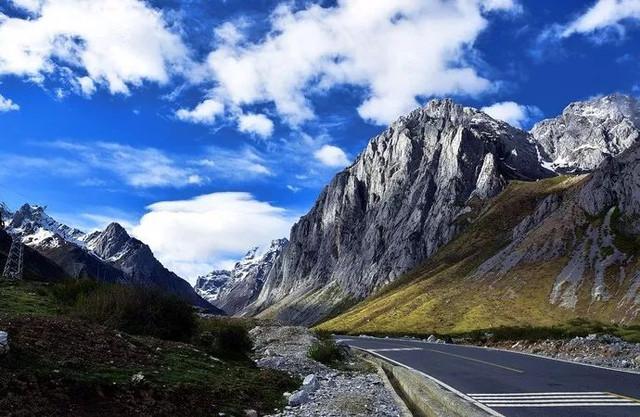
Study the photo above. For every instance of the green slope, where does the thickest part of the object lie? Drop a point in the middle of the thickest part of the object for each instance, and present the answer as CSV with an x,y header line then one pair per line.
x,y
441,296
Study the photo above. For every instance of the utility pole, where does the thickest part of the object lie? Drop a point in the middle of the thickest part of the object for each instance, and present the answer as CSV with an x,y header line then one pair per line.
x,y
15,261
15,258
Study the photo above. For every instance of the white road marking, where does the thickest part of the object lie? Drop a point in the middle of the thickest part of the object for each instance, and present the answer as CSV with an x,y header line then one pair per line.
x,y
478,404
554,399
394,349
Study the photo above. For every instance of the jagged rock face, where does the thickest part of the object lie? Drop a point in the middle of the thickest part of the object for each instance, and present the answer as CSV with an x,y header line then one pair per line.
x,y
115,246
404,197
616,183
234,290
209,286
592,232
37,228
588,132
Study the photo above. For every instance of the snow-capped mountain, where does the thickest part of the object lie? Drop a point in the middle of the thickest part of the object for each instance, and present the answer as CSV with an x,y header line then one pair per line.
x,y
588,132
233,290
110,255
37,228
211,285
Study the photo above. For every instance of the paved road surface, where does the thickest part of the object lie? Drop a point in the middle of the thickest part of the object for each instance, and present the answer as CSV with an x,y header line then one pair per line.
x,y
511,384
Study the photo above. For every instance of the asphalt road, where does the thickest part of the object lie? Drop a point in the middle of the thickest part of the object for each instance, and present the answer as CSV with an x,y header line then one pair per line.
x,y
511,384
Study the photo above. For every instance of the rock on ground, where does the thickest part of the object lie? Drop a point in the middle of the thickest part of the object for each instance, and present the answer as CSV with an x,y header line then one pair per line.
x,y
326,392
601,350
4,342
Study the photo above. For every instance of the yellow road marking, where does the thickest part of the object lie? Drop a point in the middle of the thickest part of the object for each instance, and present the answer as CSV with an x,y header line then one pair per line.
x,y
479,361
624,396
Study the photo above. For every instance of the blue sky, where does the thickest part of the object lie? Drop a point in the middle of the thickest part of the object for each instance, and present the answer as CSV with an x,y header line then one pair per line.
x,y
209,126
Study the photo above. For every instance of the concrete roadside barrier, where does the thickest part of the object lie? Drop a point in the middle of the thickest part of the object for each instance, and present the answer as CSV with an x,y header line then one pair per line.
x,y
424,397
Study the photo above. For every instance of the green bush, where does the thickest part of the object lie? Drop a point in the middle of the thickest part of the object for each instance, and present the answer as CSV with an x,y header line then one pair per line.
x,y
224,338
326,351
67,292
134,310
138,310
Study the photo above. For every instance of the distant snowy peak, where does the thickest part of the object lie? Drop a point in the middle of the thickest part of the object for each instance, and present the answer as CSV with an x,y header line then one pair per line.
x,y
258,259
209,286
588,132
233,290
36,227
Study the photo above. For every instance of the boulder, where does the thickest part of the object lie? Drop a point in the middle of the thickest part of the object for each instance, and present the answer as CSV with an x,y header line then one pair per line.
x,y
4,342
298,398
310,383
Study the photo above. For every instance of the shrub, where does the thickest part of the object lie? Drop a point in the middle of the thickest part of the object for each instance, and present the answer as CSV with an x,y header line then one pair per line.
x,y
326,351
138,310
224,338
67,292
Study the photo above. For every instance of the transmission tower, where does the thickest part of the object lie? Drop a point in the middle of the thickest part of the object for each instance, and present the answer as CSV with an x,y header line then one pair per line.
x,y
13,267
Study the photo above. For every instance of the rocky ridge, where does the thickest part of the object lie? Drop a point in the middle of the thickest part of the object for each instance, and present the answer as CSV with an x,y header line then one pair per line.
x,y
588,132
405,196
233,290
110,255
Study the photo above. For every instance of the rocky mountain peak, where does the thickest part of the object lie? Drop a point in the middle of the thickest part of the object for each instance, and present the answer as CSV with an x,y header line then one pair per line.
x,y
588,132
35,226
111,243
233,290
407,194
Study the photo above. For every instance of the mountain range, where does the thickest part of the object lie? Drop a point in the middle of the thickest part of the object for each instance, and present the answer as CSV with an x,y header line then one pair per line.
x,y
449,220
111,255
452,220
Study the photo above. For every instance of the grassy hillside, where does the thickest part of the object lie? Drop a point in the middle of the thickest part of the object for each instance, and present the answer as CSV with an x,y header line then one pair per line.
x,y
442,297
70,356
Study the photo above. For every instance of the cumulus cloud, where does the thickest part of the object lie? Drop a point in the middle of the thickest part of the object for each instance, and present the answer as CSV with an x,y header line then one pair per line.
x,y
220,226
331,156
205,112
257,124
6,105
605,14
116,43
515,114
396,52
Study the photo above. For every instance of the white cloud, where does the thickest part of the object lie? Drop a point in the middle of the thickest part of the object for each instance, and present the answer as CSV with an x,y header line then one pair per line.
x,y
331,156
397,52
6,105
116,43
257,124
137,167
242,164
605,14
293,188
220,226
87,86
513,113
205,112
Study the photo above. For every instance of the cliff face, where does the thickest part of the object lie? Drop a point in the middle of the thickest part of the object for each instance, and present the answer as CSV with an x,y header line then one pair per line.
x,y
410,192
539,254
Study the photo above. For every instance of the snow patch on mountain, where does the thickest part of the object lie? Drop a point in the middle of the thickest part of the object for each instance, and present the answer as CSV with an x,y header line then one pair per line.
x,y
588,132
234,290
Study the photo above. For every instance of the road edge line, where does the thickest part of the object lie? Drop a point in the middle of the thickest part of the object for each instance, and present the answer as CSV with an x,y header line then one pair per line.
x,y
435,380
606,368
